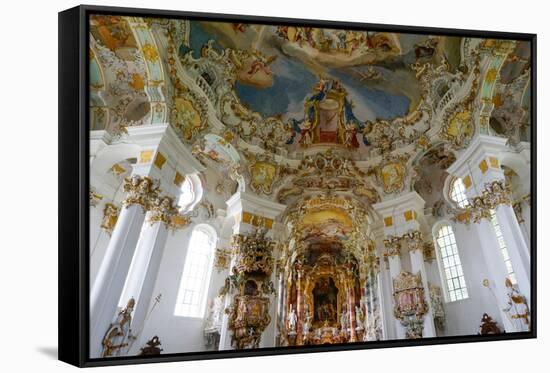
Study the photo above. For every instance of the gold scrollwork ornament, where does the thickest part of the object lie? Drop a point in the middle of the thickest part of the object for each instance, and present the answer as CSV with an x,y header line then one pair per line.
x,y
140,191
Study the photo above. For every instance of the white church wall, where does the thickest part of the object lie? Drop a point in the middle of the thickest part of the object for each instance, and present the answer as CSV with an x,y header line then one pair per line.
x,y
463,317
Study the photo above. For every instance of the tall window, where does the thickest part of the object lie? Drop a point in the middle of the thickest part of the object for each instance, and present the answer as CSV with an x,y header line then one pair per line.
x,y
458,192
503,248
193,289
452,267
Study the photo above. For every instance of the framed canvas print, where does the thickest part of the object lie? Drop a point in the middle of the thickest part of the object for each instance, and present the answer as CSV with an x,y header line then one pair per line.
x,y
234,186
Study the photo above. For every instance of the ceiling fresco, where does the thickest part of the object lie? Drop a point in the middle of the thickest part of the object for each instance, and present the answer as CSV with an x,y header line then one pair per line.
x,y
289,112
373,67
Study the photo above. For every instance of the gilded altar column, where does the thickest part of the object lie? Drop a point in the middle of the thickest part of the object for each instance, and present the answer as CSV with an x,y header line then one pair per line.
x,y
351,307
106,290
480,169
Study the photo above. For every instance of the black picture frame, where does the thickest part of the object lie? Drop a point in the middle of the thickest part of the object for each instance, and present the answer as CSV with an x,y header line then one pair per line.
x,y
74,186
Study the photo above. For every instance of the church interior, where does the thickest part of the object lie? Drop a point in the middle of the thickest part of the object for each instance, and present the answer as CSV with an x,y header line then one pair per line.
x,y
256,185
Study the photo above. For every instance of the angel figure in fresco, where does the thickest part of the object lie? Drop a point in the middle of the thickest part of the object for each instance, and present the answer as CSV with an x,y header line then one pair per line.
x,y
351,135
306,139
517,308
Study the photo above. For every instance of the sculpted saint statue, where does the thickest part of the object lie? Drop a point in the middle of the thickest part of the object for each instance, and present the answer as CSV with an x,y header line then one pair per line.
x,y
119,332
359,317
292,320
344,319
307,324
517,308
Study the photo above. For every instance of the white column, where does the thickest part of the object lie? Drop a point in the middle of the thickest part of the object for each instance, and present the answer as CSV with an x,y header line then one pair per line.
x,y
517,248
386,301
526,224
381,301
112,274
417,265
270,331
496,268
143,275
479,166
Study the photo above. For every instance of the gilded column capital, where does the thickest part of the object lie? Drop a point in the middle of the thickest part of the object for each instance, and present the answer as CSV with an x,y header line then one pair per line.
x,y
392,246
414,240
429,251
496,193
141,190
162,210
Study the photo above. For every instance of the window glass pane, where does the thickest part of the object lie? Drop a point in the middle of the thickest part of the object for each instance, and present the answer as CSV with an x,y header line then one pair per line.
x,y
503,248
196,274
452,267
458,193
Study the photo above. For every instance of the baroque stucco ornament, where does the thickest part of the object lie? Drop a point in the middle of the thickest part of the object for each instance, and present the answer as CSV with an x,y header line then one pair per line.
x,y
141,190
249,312
391,173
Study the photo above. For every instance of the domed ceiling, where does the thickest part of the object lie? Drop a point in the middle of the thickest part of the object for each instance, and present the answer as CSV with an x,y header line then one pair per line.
x,y
285,110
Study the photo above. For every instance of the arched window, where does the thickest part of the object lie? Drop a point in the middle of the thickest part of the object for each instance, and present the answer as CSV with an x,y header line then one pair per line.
x,y
458,192
451,265
503,248
195,279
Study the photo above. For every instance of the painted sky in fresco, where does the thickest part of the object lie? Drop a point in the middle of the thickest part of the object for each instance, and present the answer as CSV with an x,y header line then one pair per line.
x,y
293,79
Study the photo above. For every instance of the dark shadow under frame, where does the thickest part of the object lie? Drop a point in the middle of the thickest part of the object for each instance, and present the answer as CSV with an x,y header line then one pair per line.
x,y
73,227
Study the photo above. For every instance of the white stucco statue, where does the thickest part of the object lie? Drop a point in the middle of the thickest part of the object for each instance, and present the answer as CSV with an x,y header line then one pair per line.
x,y
292,320
517,308
344,320
307,324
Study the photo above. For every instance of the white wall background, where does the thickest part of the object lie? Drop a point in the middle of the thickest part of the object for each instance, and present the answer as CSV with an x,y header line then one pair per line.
x,y
28,186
